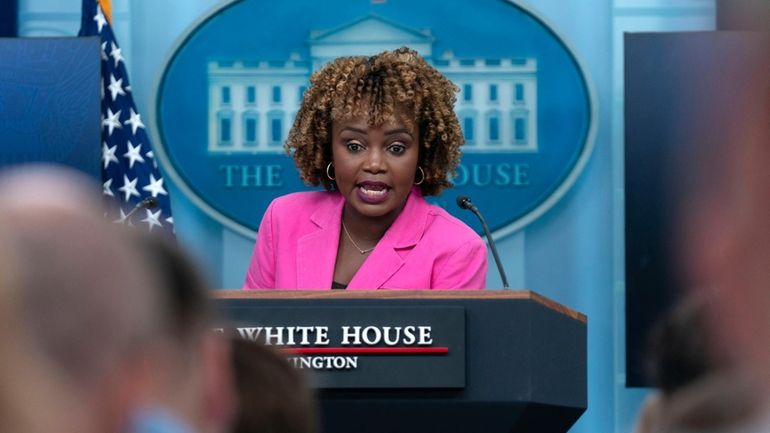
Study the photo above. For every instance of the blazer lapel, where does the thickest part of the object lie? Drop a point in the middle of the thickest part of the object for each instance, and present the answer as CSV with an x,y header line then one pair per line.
x,y
317,251
388,256
378,267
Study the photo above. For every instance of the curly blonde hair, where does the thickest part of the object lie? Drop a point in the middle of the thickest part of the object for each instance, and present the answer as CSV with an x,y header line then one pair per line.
x,y
391,82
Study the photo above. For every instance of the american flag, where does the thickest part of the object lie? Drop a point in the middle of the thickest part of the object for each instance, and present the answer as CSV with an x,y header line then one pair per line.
x,y
129,169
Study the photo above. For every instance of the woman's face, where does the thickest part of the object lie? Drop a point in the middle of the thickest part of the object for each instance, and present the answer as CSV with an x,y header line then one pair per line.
x,y
374,166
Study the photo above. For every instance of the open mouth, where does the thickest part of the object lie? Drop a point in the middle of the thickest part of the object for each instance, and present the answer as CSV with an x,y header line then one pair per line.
x,y
373,192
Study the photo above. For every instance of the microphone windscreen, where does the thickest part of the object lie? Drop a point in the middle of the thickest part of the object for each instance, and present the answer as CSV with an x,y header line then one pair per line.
x,y
463,201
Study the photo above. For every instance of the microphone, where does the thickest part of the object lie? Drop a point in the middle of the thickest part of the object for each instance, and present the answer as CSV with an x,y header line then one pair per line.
x,y
464,202
147,203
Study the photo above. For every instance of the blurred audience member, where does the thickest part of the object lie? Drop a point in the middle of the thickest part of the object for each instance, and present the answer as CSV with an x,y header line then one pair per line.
x,y
120,315
194,389
726,225
273,396
83,294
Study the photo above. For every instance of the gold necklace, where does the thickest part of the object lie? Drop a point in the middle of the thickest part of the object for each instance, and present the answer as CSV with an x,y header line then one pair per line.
x,y
354,242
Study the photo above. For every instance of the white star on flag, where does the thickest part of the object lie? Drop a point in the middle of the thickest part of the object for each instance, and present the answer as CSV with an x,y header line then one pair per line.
x,y
100,20
115,87
111,121
129,187
122,218
104,51
151,156
135,120
115,54
108,154
133,154
107,185
155,187
152,219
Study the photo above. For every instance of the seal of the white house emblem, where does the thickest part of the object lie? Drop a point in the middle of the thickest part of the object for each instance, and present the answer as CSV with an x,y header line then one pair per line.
x,y
231,87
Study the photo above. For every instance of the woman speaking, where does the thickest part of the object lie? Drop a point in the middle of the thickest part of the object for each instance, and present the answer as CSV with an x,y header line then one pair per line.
x,y
379,133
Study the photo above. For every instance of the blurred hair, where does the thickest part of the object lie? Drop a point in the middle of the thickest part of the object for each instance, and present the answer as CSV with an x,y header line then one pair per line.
x,y
680,350
272,394
183,288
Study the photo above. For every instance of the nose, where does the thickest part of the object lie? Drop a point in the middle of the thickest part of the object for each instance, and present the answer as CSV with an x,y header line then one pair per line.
x,y
374,162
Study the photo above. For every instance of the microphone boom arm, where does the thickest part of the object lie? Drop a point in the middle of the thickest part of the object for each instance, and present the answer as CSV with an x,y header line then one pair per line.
x,y
465,203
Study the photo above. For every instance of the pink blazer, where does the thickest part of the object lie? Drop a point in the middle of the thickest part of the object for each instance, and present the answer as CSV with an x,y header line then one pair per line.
x,y
425,248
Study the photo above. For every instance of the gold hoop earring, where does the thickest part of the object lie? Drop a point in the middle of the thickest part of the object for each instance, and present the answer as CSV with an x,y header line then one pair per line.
x,y
328,167
422,178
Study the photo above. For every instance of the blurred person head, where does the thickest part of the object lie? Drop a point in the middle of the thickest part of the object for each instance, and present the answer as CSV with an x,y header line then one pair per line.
x,y
194,380
31,397
83,294
273,397
726,220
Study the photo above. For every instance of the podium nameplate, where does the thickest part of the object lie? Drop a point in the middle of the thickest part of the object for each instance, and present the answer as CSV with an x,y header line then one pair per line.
x,y
369,347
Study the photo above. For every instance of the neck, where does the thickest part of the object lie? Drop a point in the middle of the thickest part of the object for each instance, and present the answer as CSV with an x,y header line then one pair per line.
x,y
366,228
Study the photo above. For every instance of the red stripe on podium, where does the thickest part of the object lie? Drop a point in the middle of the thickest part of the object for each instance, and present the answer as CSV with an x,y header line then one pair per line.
x,y
369,351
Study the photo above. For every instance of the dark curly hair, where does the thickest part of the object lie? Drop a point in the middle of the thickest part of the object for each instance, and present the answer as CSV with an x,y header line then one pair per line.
x,y
391,82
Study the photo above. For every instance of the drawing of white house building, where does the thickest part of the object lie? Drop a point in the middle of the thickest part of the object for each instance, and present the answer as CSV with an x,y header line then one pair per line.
x,y
253,103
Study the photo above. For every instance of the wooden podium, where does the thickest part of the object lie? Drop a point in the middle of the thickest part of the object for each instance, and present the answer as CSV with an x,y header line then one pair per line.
x,y
523,361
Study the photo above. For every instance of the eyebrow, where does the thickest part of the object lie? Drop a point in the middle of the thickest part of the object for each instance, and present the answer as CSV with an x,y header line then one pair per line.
x,y
388,132
354,129
398,131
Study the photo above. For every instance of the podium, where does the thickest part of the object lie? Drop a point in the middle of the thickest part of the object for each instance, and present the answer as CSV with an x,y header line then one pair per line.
x,y
490,361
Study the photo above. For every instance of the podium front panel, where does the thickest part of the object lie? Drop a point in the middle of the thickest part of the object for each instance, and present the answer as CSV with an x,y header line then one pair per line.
x,y
525,364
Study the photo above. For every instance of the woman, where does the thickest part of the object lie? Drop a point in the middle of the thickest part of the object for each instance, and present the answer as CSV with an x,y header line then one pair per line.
x,y
379,133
